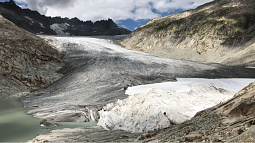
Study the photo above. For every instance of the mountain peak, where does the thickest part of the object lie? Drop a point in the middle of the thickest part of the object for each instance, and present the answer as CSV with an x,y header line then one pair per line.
x,y
12,2
34,22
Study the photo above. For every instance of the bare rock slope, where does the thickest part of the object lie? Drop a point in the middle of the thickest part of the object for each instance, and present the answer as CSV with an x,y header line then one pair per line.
x,y
27,62
221,31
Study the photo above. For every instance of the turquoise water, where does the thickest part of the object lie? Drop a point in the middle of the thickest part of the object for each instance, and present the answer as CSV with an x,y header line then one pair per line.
x,y
17,126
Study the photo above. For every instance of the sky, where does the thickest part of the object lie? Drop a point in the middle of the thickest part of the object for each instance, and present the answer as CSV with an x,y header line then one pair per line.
x,y
129,14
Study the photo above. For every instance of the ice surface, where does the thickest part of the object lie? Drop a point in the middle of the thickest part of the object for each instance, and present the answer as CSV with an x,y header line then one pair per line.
x,y
27,17
41,25
180,101
182,85
97,72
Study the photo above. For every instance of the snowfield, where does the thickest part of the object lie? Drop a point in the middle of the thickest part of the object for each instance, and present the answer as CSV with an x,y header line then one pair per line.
x,y
183,85
156,106
59,28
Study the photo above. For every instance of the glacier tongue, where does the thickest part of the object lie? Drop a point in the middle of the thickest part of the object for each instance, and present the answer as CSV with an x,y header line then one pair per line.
x,y
98,72
157,109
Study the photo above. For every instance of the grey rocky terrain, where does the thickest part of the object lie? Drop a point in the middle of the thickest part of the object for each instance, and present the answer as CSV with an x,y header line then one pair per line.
x,y
221,31
27,62
98,72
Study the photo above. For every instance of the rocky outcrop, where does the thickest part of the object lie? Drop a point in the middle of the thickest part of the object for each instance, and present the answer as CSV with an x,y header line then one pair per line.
x,y
221,31
36,23
27,62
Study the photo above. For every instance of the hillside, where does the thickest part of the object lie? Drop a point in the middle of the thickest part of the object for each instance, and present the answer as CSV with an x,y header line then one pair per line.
x,y
221,31
36,23
27,62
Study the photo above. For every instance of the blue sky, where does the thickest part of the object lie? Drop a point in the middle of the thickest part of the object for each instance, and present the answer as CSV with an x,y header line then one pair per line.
x,y
128,14
132,24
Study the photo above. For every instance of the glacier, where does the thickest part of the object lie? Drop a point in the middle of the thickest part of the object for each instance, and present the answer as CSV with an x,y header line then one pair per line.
x,y
97,72
156,106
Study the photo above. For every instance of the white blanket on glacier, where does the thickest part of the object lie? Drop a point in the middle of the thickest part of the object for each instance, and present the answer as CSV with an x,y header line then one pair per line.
x,y
145,112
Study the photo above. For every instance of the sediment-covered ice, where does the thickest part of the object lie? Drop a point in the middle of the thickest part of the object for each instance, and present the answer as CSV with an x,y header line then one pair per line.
x,y
178,102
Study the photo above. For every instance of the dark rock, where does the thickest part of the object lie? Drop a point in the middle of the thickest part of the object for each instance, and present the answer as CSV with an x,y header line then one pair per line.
x,y
70,117
43,121
36,23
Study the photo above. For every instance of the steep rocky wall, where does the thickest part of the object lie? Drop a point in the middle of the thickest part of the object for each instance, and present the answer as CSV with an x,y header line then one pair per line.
x,y
211,33
26,61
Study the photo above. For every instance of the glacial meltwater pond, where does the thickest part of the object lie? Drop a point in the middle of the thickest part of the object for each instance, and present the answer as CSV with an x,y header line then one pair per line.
x,y
17,126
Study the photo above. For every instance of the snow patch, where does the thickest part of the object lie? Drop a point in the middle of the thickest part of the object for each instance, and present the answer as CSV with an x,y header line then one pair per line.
x,y
41,25
235,85
27,17
59,28
176,103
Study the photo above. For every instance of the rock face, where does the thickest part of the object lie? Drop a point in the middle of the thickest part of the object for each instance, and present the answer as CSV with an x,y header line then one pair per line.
x,y
27,62
221,31
34,22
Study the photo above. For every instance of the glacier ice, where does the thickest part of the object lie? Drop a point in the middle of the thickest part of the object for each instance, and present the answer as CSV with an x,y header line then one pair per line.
x,y
157,108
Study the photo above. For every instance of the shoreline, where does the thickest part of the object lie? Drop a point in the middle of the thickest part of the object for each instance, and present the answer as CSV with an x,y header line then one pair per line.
x,y
18,126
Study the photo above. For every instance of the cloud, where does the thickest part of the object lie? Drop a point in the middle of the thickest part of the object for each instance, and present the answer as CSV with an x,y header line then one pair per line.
x,y
124,26
115,9
43,5
166,5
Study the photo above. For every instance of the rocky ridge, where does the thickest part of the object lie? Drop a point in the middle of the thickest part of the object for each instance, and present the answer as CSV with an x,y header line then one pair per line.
x,y
221,31
27,62
36,23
